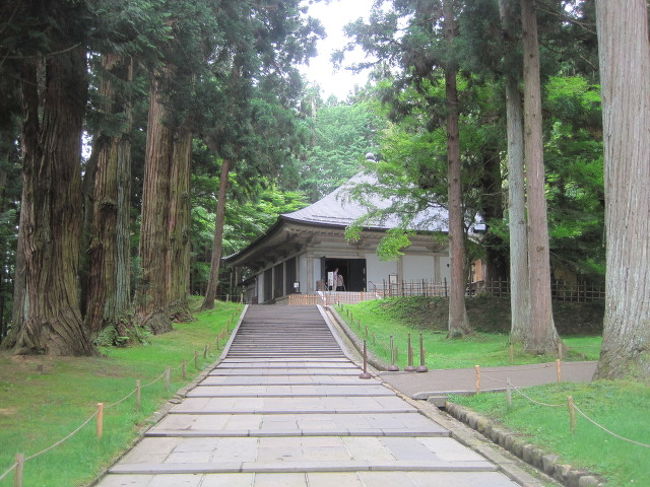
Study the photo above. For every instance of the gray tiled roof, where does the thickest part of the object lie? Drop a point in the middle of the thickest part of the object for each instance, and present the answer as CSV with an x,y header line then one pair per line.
x,y
337,208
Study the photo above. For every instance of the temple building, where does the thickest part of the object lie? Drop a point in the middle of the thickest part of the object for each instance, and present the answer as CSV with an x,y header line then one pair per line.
x,y
298,253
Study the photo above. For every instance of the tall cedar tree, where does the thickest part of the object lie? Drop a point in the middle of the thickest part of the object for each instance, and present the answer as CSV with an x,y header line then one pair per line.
x,y
519,280
624,54
109,291
164,237
54,87
543,337
458,321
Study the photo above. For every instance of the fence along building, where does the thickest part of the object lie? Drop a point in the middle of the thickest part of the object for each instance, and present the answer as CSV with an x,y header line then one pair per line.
x,y
297,252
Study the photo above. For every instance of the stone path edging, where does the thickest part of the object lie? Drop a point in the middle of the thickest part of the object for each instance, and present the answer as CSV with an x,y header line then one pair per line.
x,y
373,360
531,454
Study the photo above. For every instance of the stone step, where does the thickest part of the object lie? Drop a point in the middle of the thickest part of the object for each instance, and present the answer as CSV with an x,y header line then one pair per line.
x,y
343,424
286,380
289,391
300,454
285,371
313,479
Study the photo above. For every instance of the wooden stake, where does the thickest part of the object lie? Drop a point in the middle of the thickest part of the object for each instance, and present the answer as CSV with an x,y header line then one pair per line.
x,y
138,395
196,360
18,473
100,420
422,367
477,368
409,351
572,414
558,369
508,393
205,351
184,369
365,374
168,378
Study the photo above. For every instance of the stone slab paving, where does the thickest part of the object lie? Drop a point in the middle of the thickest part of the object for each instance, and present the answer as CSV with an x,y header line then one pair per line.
x,y
302,420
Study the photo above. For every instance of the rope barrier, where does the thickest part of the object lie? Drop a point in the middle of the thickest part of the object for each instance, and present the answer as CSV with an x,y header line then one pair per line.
x,y
539,403
62,440
80,427
11,469
616,435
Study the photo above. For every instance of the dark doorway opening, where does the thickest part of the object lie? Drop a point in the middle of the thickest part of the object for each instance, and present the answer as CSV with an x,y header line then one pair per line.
x,y
352,270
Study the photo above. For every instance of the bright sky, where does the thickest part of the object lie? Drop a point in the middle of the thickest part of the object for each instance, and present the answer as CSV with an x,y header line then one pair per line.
x,y
334,15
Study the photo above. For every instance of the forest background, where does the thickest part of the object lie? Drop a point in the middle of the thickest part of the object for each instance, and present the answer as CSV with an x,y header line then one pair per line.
x,y
198,131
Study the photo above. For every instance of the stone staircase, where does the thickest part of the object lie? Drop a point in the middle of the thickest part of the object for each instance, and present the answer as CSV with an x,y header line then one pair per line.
x,y
287,408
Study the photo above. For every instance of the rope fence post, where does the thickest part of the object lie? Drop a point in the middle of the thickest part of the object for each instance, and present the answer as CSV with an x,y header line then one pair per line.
x,y
572,414
508,393
422,367
477,370
184,369
558,369
18,473
393,356
196,359
365,374
409,351
205,351
99,429
138,395
168,378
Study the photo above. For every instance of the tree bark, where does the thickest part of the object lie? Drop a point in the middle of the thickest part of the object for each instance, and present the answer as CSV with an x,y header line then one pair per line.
x,y
217,245
178,261
543,337
109,250
624,55
154,242
164,235
51,200
519,285
458,320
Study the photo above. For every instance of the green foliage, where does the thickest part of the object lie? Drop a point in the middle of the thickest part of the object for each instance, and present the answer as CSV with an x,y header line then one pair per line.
x,y
39,408
619,406
400,316
338,138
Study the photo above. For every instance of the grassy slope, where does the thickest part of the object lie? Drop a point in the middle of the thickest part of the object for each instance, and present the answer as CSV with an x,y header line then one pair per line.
x,y
38,408
620,406
400,316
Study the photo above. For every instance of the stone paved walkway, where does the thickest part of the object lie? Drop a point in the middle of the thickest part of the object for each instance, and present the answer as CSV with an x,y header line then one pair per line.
x,y
287,408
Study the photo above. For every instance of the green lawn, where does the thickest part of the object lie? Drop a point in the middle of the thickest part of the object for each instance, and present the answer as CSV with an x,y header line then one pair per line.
x,y
482,348
622,407
38,407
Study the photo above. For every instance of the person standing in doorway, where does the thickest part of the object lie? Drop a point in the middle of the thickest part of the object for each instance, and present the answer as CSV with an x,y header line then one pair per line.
x,y
340,283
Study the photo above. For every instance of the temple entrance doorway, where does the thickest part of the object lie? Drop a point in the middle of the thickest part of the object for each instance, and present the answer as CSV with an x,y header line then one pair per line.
x,y
352,270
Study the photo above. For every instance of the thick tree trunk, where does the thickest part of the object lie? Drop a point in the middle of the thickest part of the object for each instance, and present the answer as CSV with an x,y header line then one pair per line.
x,y
87,189
217,245
52,201
458,320
519,284
492,210
179,224
152,299
164,235
543,337
109,250
624,54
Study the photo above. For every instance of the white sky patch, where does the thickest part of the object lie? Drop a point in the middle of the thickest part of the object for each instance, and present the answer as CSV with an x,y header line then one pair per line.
x,y
334,15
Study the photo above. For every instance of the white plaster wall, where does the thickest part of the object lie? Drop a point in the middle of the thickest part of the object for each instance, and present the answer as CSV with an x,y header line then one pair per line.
x,y
417,267
445,272
378,270
315,262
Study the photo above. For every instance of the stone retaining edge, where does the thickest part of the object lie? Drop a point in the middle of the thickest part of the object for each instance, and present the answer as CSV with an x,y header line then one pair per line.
x,y
549,463
373,360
